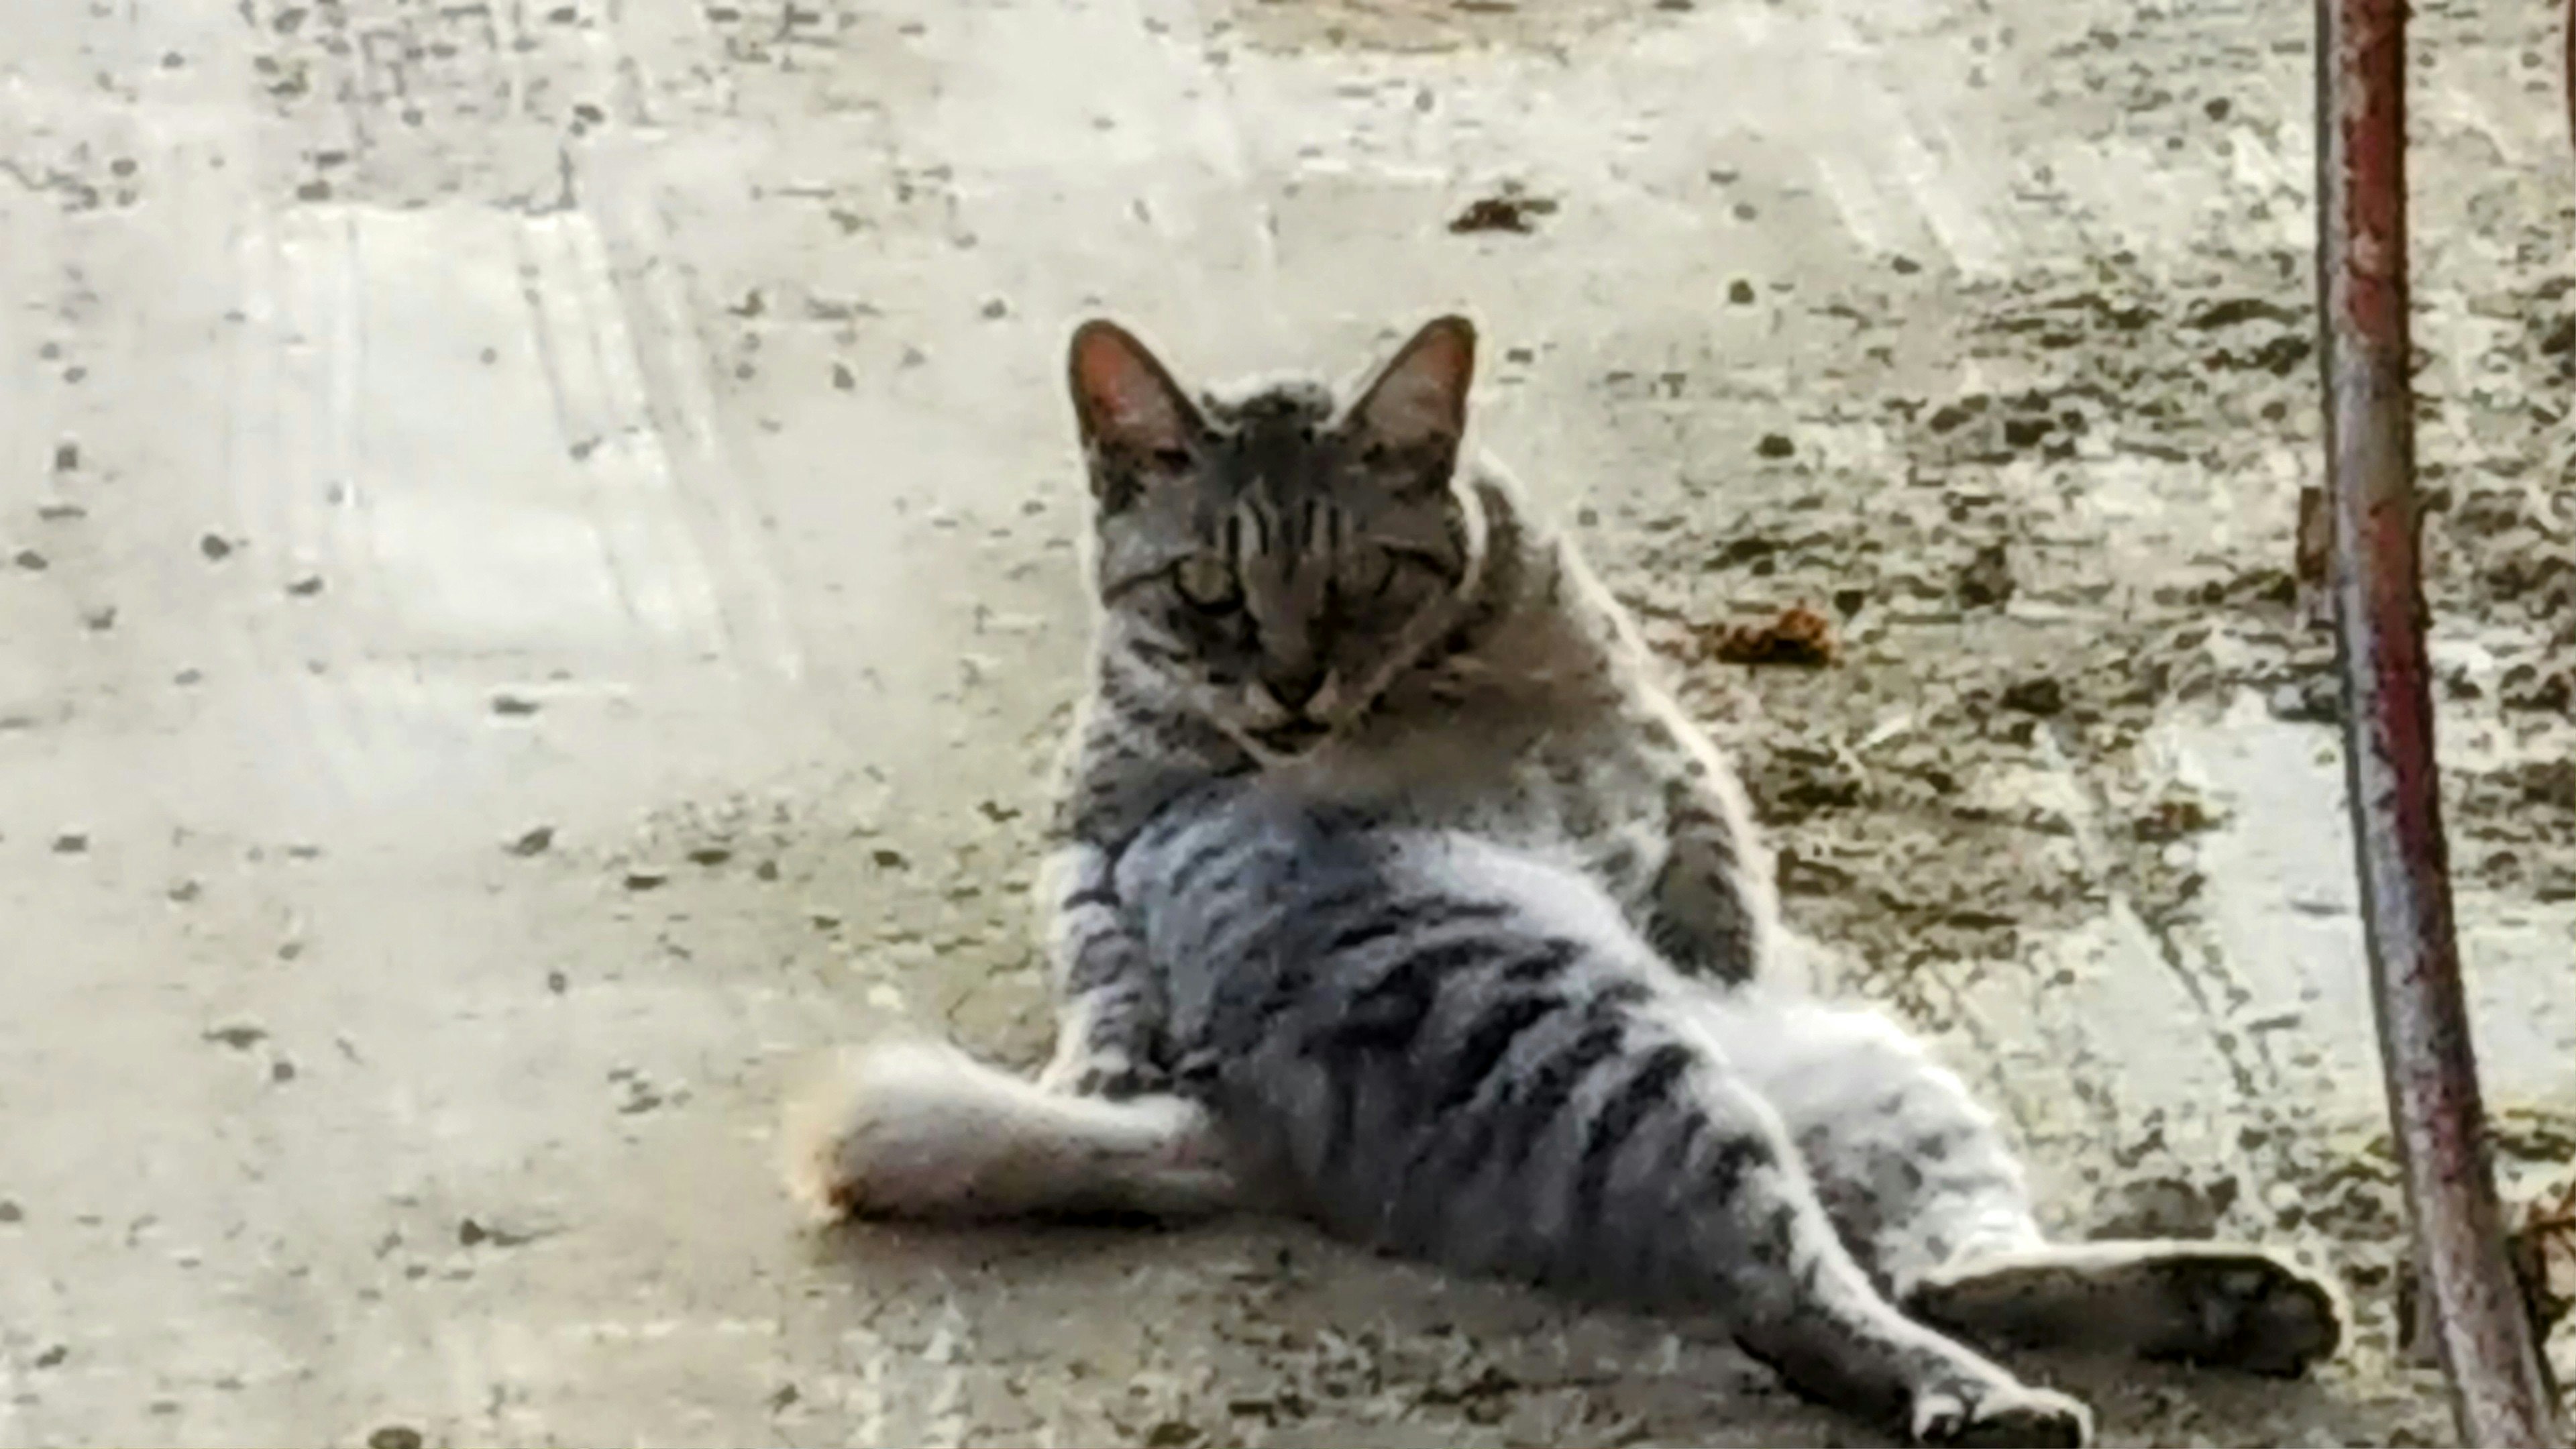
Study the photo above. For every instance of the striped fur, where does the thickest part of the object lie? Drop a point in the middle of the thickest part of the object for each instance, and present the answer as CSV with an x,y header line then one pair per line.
x,y
1465,1054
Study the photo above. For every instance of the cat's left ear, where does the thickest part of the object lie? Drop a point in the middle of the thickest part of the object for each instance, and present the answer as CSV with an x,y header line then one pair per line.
x,y
1415,410
1124,399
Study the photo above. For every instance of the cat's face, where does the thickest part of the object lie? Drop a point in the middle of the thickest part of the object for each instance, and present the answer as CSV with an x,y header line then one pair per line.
x,y
1274,559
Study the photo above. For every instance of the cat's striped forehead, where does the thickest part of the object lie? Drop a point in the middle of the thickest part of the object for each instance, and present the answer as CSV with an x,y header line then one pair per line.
x,y
1272,450
1266,403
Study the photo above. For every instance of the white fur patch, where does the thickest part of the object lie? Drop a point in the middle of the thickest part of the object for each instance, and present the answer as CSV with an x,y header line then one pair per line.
x,y
919,1129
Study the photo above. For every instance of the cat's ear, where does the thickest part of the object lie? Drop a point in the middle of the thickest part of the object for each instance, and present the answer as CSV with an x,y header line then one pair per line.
x,y
1129,409
1415,409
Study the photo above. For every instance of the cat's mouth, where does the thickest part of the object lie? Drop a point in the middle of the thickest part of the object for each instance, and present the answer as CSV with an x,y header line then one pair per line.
x,y
1292,738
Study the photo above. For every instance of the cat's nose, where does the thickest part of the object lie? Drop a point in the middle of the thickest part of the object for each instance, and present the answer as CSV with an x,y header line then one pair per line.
x,y
1295,688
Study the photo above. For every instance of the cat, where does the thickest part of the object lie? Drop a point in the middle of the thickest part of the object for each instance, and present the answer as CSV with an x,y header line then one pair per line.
x,y
1322,599
1464,1053
1335,593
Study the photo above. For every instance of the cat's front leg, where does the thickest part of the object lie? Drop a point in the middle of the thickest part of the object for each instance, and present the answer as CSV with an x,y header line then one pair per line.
x,y
1109,1003
1709,910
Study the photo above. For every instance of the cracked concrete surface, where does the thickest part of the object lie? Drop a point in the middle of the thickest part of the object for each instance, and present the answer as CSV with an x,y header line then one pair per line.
x,y
539,591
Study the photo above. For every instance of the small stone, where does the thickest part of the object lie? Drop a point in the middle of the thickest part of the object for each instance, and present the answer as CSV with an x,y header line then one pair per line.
x,y
843,378
1775,445
1740,292
710,855
241,1036
66,457
557,983
99,620
281,1071
305,587
30,560
394,1436
889,859
71,842
766,870
996,307
646,880
536,840
10,1212
514,706
53,1356
2041,696
1987,580
215,547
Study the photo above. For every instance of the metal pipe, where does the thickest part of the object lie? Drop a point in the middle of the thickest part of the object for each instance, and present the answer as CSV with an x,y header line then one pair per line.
x,y
2500,1392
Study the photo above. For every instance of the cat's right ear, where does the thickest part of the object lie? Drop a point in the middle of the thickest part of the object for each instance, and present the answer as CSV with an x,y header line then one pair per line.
x,y
1134,418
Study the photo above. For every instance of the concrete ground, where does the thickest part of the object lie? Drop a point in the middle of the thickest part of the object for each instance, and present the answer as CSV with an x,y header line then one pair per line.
x,y
536,590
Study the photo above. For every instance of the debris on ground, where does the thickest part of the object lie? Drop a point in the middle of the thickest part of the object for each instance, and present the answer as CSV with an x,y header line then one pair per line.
x,y
1797,636
1508,209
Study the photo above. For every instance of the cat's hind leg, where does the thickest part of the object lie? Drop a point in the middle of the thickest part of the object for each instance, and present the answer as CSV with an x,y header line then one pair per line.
x,y
919,1129
1924,1185
1796,1298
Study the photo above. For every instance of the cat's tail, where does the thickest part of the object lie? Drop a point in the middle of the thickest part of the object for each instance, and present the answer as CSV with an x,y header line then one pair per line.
x,y
919,1129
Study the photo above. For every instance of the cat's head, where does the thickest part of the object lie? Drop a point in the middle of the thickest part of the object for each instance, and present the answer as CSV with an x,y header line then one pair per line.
x,y
1278,558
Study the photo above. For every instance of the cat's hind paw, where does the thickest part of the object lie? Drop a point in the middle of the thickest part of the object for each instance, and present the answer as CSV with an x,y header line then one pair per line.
x,y
2003,1415
2218,1305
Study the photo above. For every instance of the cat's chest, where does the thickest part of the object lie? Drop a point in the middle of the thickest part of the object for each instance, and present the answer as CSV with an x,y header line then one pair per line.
x,y
1586,792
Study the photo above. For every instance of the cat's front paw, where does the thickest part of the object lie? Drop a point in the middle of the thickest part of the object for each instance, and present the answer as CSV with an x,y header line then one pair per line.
x,y
2001,1414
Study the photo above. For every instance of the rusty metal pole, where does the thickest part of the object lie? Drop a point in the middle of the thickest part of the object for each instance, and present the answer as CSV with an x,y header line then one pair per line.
x,y
2500,1389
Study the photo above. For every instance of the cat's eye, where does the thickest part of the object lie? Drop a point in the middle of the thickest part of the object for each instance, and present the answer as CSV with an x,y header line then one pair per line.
x,y
1207,583
1368,574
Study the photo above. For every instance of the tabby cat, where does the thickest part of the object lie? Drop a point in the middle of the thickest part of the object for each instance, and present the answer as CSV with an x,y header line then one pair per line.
x,y
1323,594
1475,984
